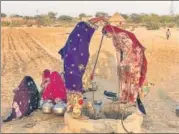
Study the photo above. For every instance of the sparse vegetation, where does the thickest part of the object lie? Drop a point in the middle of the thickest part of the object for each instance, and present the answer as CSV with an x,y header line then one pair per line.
x,y
15,15
99,14
65,18
176,20
82,15
5,24
15,24
152,26
29,24
125,16
171,25
28,17
3,15
150,21
43,20
52,16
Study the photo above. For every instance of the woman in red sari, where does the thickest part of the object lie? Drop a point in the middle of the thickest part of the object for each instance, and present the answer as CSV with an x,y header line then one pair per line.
x,y
133,59
53,86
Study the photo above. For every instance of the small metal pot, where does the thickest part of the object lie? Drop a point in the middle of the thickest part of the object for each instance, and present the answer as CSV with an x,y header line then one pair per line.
x,y
97,106
98,102
59,108
41,102
47,107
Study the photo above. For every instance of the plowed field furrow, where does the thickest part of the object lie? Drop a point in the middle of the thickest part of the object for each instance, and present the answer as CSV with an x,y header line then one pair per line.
x,y
21,46
25,50
11,58
16,53
5,37
30,41
37,45
9,44
22,56
28,51
26,42
2,40
2,56
4,51
20,51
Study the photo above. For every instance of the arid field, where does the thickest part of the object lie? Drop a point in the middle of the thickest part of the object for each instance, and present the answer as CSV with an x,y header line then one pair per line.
x,y
28,51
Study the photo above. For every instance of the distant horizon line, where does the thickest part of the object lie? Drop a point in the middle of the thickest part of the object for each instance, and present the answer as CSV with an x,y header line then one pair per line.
x,y
9,14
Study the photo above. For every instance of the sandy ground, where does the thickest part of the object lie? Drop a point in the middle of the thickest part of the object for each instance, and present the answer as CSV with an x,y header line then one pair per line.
x,y
28,51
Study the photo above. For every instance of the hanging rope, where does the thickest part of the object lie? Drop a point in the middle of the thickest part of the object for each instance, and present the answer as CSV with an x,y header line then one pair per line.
x,y
122,120
92,75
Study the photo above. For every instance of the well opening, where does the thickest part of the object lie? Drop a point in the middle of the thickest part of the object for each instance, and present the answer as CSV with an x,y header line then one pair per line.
x,y
105,118
108,110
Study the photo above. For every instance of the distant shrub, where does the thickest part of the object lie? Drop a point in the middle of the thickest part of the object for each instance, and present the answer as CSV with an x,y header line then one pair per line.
x,y
163,25
176,20
3,15
39,26
29,24
65,18
5,24
152,26
15,24
171,25
178,24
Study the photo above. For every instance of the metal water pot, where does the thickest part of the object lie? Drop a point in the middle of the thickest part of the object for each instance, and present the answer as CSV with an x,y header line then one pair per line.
x,y
47,107
59,108
41,102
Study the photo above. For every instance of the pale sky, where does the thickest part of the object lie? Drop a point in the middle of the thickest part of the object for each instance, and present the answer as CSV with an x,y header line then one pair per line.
x,y
74,8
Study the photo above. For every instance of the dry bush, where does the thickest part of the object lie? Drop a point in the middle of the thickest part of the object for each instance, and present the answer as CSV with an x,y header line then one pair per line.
x,y
5,23
152,26
15,24
29,25
171,25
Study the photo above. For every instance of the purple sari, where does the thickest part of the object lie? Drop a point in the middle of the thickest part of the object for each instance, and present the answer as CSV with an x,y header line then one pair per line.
x,y
75,54
26,99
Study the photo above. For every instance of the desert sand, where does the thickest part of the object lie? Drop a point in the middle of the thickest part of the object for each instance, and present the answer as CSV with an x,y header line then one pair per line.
x,y
28,51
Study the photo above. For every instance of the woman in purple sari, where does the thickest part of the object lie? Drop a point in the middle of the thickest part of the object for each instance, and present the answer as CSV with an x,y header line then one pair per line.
x,y
75,55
